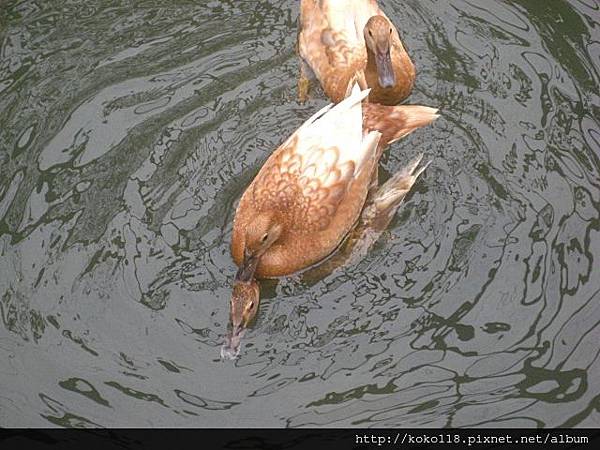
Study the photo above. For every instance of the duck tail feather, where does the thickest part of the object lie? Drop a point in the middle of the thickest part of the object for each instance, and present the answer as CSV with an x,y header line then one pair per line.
x,y
393,191
395,122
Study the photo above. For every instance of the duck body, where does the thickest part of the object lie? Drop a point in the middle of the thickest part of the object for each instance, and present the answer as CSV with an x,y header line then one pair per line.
x,y
313,186
310,192
340,39
380,207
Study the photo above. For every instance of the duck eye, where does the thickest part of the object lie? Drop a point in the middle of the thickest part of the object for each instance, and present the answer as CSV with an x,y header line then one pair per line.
x,y
251,305
370,34
390,31
264,238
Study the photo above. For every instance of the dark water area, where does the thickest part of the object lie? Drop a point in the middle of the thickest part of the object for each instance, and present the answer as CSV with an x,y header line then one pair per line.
x,y
128,131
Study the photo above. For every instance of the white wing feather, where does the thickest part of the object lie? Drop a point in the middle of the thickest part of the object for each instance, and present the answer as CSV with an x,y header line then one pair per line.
x,y
340,127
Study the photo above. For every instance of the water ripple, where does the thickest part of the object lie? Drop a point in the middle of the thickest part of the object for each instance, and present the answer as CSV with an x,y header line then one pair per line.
x,y
127,136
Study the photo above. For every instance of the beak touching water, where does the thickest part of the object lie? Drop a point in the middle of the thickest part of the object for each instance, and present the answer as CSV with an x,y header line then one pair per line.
x,y
244,304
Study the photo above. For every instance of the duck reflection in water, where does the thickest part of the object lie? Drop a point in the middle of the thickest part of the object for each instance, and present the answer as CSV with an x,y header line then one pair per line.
x,y
244,305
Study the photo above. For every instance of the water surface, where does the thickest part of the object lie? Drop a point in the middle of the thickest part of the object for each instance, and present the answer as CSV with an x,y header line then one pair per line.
x,y
128,130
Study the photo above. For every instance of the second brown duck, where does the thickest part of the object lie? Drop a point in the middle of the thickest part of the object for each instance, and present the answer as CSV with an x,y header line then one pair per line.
x,y
341,39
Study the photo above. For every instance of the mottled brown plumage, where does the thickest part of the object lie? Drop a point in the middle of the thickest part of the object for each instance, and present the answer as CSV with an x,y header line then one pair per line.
x,y
340,40
310,192
309,188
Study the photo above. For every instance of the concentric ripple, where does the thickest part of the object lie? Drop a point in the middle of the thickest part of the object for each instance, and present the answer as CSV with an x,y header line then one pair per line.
x,y
127,134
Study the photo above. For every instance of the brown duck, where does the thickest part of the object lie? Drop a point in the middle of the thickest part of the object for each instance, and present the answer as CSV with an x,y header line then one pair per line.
x,y
310,192
339,39
380,207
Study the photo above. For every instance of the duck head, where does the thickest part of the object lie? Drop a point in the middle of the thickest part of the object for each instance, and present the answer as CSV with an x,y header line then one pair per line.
x,y
378,38
261,234
245,299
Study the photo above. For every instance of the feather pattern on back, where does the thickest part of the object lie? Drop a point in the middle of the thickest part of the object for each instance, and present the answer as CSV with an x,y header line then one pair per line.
x,y
310,174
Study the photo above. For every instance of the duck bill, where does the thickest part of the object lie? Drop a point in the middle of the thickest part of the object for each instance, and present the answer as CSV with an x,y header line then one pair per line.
x,y
385,70
247,268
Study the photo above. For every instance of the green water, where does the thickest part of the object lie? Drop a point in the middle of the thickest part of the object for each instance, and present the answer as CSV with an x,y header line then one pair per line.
x,y
128,130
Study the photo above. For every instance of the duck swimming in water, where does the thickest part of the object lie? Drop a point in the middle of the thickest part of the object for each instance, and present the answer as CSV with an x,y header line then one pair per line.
x,y
310,193
380,208
311,190
339,39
